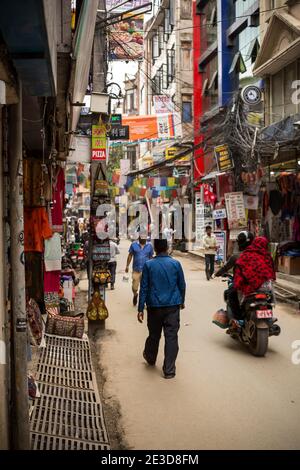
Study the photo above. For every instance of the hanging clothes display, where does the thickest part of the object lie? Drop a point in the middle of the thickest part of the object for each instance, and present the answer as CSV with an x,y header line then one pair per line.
x,y
36,229
37,185
58,195
53,253
51,281
34,276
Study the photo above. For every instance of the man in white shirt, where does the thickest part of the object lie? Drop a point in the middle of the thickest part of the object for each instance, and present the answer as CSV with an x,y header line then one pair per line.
x,y
210,248
112,265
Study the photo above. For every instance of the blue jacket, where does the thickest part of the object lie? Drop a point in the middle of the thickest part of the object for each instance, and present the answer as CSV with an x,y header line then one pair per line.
x,y
162,283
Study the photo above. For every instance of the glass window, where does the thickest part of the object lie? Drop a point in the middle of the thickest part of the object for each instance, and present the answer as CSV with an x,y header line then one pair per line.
x,y
187,111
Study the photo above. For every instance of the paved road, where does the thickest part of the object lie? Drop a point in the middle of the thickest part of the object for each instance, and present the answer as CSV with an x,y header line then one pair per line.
x,y
221,398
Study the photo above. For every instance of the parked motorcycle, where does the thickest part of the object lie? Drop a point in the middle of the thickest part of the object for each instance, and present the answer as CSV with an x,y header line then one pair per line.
x,y
258,322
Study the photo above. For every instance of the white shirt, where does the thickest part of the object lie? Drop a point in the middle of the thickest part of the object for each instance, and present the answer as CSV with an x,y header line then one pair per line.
x,y
114,251
209,244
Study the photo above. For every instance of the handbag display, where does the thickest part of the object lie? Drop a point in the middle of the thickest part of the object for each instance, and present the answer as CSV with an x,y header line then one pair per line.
x,y
101,276
97,309
72,327
100,185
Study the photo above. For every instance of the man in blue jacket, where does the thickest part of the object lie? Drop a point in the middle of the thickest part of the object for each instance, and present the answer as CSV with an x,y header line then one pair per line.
x,y
163,291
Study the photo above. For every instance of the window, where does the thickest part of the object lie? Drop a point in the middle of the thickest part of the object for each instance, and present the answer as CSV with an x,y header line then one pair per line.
x,y
155,48
253,50
186,55
171,65
238,64
209,23
187,115
186,10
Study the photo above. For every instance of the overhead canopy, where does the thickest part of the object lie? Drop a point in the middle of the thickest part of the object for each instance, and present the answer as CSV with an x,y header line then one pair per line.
x,y
29,31
284,130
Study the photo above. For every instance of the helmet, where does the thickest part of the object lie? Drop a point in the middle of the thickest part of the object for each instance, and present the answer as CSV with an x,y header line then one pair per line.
x,y
244,239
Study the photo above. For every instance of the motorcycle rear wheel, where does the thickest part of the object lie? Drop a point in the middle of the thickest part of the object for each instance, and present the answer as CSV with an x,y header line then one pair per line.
x,y
259,342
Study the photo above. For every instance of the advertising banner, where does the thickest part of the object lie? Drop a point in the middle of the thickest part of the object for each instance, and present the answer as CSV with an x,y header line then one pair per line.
x,y
221,242
150,127
126,39
118,6
163,104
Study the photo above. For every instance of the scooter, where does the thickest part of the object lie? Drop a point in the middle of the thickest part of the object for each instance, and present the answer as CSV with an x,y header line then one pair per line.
x,y
258,322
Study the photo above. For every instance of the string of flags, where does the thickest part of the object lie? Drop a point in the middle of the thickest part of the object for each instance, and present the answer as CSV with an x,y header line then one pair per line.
x,y
153,187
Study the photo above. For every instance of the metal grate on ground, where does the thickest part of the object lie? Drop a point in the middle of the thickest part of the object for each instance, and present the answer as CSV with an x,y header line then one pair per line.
x,y
65,342
70,406
66,357
66,377
59,422
45,442
74,394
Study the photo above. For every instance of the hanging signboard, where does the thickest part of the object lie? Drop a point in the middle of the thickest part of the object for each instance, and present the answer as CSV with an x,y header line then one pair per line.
x,y
120,6
151,127
126,39
119,133
170,152
163,104
235,208
219,214
223,158
82,152
221,243
116,119
99,143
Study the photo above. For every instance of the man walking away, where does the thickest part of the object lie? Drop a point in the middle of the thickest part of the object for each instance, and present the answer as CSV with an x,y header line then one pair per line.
x,y
163,291
210,248
112,264
140,251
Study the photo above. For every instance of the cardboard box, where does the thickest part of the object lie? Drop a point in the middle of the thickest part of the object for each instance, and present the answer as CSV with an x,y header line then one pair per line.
x,y
289,265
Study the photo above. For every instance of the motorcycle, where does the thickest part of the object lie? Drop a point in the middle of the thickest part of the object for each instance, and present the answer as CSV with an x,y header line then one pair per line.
x,y
258,322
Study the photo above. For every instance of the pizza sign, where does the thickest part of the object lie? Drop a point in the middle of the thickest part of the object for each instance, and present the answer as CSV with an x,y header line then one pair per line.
x,y
99,141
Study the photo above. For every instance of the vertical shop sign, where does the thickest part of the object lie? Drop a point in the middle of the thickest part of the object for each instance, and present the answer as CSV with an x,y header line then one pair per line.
x,y
199,218
235,208
99,143
221,242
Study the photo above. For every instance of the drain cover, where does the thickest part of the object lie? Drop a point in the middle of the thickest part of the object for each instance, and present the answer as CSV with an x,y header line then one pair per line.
x,y
59,422
65,377
64,342
44,442
66,357
74,394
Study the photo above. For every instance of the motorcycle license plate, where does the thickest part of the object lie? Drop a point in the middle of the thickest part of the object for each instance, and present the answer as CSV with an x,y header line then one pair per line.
x,y
264,313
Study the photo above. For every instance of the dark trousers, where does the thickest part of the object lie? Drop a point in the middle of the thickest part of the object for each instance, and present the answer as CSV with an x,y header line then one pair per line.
x,y
209,265
233,304
166,319
112,268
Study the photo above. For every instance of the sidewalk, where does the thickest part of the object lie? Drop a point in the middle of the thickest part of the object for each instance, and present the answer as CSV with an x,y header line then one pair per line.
x,y
68,415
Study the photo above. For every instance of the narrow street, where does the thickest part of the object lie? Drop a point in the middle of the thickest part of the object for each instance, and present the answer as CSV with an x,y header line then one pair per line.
x,y
221,398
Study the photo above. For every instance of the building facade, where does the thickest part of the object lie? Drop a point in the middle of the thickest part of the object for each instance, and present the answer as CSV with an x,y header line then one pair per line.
x,y
226,44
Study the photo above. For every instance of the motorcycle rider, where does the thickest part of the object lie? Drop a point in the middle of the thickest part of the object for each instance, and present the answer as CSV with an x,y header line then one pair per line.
x,y
244,240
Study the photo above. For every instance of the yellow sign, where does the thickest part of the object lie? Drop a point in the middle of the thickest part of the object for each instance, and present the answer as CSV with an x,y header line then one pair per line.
x,y
170,152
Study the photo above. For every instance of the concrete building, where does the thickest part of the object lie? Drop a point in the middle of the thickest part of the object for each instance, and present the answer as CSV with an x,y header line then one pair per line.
x,y
226,44
167,70
278,60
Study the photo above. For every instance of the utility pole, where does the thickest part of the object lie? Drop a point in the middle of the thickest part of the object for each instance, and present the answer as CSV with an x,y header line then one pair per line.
x,y
20,423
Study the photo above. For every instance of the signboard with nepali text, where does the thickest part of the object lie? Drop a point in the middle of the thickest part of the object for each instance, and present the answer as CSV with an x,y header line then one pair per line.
x,y
99,143
163,104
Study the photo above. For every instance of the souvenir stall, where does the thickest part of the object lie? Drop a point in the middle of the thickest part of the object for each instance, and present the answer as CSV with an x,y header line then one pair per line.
x,y
99,252
280,201
44,192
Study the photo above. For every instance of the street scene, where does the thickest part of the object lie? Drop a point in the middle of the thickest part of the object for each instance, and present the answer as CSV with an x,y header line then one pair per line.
x,y
149,228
